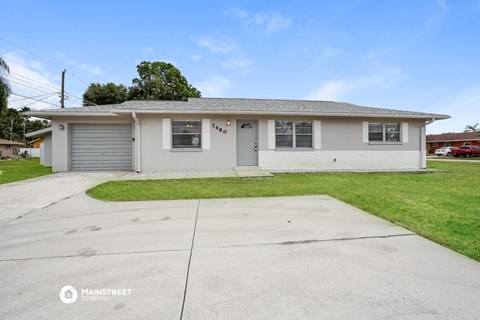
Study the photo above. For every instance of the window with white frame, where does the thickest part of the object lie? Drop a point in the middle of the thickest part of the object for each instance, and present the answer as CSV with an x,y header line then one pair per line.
x,y
186,134
293,134
384,132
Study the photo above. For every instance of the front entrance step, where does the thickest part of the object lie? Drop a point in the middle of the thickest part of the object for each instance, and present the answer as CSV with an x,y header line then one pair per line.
x,y
252,172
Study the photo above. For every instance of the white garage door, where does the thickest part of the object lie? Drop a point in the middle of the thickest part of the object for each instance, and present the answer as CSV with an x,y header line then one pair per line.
x,y
101,146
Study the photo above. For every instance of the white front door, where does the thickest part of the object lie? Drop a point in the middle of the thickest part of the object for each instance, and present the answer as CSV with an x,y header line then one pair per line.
x,y
247,143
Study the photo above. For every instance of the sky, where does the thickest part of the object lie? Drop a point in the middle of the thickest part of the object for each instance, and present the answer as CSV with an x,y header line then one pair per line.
x,y
416,55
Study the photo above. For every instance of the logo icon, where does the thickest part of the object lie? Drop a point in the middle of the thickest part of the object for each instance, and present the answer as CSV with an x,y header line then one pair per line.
x,y
68,294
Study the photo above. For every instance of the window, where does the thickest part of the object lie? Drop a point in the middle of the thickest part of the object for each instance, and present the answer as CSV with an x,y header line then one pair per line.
x,y
384,132
186,134
290,134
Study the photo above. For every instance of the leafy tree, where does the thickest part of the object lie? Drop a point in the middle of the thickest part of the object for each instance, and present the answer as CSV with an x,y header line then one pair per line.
x,y
161,81
100,94
12,122
4,87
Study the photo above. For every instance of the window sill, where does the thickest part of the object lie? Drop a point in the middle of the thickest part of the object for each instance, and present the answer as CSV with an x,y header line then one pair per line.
x,y
186,150
294,149
384,143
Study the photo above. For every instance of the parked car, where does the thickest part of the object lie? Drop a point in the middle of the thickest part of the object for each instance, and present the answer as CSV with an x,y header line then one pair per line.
x,y
445,151
466,151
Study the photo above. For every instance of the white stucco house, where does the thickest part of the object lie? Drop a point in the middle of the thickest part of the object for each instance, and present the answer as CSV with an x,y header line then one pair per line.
x,y
208,134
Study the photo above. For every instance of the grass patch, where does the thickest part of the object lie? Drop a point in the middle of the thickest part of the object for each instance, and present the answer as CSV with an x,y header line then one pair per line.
x,y
16,170
442,206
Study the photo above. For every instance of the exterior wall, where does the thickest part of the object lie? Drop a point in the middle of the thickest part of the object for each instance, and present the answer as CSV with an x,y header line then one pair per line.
x,y
5,150
61,138
47,151
339,144
156,157
319,160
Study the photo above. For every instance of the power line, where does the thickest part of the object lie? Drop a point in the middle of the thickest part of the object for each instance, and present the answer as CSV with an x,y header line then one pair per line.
x,y
28,51
40,57
30,79
37,100
83,100
34,84
40,95
41,100
32,87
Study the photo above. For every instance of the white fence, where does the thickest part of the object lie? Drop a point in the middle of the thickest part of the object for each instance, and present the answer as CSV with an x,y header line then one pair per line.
x,y
32,152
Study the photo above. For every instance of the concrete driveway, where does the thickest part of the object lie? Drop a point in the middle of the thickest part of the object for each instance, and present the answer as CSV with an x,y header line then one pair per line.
x,y
269,258
23,197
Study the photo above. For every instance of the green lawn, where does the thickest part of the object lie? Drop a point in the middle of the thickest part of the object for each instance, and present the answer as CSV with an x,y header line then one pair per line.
x,y
441,206
15,170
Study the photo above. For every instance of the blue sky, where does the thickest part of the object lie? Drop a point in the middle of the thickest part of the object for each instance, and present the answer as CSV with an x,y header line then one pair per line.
x,y
419,55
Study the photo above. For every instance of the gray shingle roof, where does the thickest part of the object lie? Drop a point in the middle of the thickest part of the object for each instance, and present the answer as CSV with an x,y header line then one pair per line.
x,y
241,106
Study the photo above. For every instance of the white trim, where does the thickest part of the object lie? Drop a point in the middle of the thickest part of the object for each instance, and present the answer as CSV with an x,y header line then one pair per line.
x,y
365,132
271,134
405,132
167,134
137,129
205,134
317,131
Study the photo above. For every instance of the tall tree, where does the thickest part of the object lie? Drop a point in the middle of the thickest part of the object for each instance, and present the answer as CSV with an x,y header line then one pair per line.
x,y
161,81
4,86
100,94
13,123
474,128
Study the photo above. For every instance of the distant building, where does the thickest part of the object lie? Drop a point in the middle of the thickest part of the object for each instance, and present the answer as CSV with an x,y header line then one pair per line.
x,y
8,147
435,141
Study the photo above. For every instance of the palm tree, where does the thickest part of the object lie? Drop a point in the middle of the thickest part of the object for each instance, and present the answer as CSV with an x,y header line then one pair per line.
x,y
474,128
470,128
4,87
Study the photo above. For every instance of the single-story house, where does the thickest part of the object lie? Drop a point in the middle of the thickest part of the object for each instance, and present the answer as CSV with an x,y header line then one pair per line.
x,y
44,135
460,139
210,134
8,147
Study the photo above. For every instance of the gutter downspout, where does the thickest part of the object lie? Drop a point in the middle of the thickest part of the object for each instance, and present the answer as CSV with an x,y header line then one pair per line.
x,y
138,144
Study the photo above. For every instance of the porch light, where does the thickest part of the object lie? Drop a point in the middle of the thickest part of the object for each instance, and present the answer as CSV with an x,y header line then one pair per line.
x,y
228,122
61,127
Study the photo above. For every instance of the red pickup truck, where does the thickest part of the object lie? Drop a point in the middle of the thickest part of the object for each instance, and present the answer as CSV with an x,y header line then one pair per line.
x,y
466,151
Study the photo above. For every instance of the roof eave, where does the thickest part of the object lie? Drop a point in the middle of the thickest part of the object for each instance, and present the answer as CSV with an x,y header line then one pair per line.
x,y
278,113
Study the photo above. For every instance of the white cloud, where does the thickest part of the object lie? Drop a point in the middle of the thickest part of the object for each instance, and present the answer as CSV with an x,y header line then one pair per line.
x,y
148,50
234,57
196,57
82,65
271,22
215,86
217,45
268,22
463,110
29,79
337,89
330,90
329,52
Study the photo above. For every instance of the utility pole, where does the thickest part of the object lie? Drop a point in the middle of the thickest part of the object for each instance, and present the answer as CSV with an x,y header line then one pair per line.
x,y
62,98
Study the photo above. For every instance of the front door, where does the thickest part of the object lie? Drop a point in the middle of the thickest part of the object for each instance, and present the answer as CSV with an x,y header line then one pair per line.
x,y
247,143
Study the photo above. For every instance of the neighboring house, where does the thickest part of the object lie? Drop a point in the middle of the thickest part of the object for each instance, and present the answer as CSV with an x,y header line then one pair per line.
x,y
9,148
44,135
436,141
37,142
220,134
